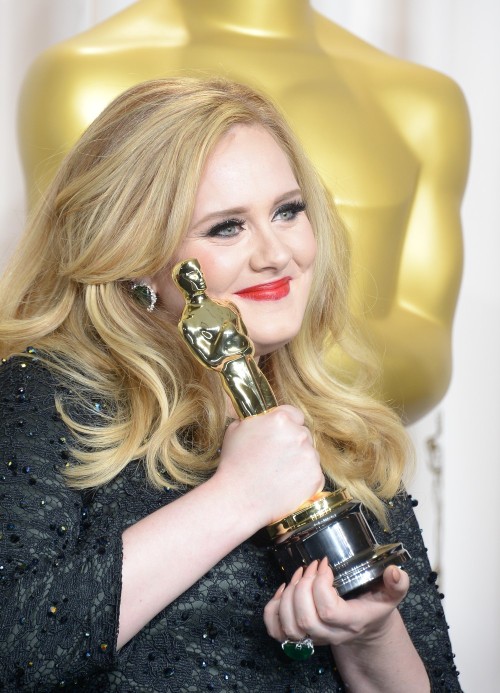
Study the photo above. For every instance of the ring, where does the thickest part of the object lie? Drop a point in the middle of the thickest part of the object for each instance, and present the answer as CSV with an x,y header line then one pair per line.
x,y
299,650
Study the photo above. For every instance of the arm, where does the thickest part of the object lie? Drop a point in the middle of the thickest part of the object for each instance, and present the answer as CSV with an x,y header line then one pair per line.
x,y
429,112
203,526
61,591
422,609
383,657
419,627
54,625
426,138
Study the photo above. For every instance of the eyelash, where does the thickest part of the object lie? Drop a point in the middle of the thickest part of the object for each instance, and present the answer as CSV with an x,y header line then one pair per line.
x,y
294,207
218,229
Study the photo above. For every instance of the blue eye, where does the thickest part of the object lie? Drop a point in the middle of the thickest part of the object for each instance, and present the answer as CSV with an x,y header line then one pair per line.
x,y
227,228
289,211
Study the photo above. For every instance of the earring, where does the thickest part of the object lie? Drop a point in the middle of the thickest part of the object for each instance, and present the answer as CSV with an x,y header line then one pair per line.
x,y
144,295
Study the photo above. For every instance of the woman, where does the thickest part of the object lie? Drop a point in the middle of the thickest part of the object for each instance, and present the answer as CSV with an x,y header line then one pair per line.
x,y
132,511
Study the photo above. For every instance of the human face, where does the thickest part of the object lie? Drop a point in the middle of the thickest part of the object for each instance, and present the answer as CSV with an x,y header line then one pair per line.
x,y
251,235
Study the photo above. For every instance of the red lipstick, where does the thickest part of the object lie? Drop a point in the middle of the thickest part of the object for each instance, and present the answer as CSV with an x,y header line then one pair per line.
x,y
272,291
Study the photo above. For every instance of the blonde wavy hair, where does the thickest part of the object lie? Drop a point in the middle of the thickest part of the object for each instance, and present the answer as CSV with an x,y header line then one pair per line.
x,y
117,211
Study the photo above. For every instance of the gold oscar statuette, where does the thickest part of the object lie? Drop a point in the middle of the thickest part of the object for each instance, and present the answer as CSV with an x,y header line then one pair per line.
x,y
331,524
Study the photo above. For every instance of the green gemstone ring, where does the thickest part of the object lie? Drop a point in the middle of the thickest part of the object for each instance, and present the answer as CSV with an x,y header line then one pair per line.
x,y
298,650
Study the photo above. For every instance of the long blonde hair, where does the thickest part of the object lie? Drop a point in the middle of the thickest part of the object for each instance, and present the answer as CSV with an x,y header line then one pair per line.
x,y
117,211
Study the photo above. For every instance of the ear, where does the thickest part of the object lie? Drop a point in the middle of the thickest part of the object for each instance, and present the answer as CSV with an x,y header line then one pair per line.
x,y
144,293
149,281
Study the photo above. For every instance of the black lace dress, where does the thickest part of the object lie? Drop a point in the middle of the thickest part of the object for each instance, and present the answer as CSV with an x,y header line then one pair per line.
x,y
60,578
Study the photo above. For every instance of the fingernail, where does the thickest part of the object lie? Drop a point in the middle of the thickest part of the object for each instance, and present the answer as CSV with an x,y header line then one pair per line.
x,y
280,591
396,574
323,566
311,568
296,576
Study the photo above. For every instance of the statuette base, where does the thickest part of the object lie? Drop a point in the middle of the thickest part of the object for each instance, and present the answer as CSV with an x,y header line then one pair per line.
x,y
333,525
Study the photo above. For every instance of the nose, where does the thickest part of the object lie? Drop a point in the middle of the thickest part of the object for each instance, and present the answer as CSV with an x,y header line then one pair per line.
x,y
270,251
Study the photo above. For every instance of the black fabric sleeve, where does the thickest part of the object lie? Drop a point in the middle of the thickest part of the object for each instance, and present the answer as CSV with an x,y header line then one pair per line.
x,y
60,571
422,609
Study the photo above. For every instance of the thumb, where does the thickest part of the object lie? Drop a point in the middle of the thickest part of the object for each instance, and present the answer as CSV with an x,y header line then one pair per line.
x,y
396,582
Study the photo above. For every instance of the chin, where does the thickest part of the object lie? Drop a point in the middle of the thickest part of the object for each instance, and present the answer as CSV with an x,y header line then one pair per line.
x,y
271,347
266,342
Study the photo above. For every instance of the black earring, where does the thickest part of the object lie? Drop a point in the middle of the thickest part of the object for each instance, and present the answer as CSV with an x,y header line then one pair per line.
x,y
144,295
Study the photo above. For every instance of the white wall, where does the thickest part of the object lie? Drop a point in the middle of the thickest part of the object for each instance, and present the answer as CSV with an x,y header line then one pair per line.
x,y
460,38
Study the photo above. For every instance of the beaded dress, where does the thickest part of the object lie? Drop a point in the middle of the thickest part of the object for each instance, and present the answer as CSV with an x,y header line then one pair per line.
x,y
60,579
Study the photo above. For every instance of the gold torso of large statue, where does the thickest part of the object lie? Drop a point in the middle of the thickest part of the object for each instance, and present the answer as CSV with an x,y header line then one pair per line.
x,y
390,139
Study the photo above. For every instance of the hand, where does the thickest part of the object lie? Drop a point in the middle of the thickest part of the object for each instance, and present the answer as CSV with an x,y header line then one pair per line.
x,y
271,462
311,607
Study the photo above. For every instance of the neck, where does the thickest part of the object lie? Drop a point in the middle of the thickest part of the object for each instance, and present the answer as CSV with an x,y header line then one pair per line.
x,y
275,19
198,297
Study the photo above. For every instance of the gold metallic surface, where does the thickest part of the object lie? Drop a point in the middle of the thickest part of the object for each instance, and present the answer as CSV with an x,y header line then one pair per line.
x,y
314,509
217,337
390,139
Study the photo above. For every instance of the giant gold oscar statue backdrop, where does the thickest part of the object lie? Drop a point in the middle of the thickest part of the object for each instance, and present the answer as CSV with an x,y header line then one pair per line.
x,y
391,140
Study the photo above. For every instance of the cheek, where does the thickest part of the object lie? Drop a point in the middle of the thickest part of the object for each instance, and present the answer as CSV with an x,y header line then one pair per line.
x,y
219,266
170,296
305,251
312,248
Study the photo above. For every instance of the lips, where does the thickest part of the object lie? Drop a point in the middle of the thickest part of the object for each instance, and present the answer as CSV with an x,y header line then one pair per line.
x,y
272,291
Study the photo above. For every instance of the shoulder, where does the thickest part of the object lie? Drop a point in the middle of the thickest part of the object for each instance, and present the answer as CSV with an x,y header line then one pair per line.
x,y
35,443
71,83
30,423
427,106
75,64
147,23
24,377
34,385
429,110
381,68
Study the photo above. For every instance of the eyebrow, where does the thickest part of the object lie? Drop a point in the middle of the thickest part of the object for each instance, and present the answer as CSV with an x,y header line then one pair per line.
x,y
234,211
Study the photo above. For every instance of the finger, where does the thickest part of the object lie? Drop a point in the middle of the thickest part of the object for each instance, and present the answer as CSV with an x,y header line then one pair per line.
x,y
292,413
320,611
287,617
232,426
304,607
329,605
396,583
271,615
